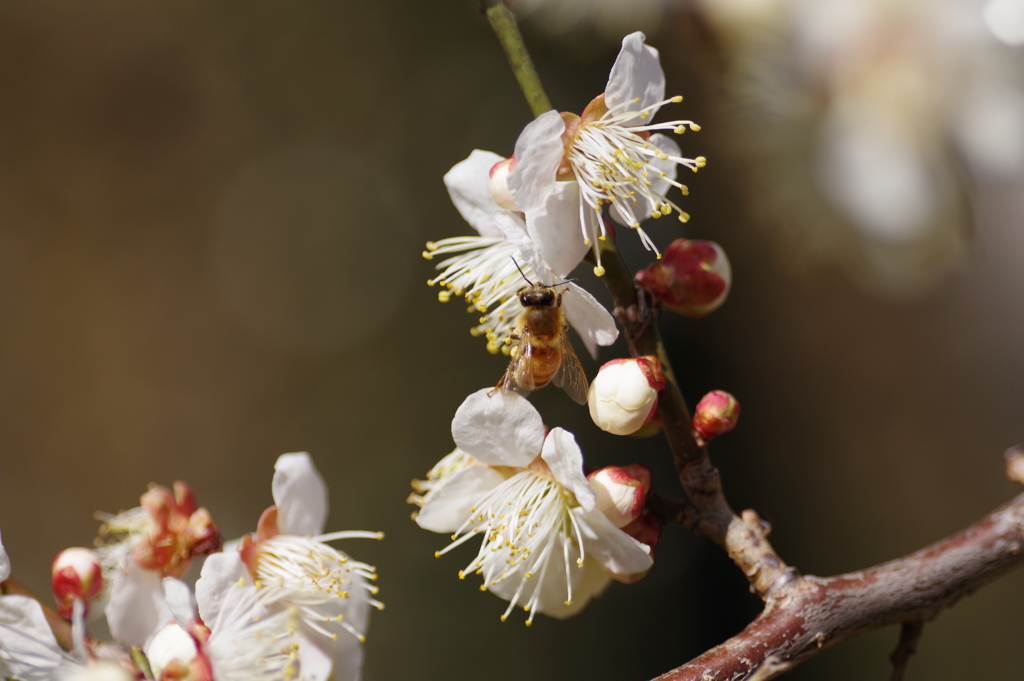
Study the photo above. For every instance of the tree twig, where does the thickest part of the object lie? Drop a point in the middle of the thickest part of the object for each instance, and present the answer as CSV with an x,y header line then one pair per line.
x,y
503,22
910,634
811,614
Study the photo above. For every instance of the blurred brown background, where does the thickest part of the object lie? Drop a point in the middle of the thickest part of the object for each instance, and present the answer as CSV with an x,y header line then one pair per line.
x,y
210,223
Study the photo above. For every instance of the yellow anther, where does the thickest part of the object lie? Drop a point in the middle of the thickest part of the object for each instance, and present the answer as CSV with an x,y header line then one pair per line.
x,y
430,282
474,332
437,554
427,256
700,161
602,238
685,190
444,296
694,127
586,242
568,602
599,271
635,225
504,617
493,348
529,623
679,129
637,100
658,257
684,217
483,587
666,209
655,213
431,246
645,114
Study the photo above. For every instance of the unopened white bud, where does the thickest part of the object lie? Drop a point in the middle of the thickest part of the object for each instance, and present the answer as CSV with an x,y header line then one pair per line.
x,y
624,395
620,496
170,643
499,184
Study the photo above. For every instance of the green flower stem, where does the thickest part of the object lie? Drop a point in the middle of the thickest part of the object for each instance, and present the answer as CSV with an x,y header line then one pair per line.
x,y
505,27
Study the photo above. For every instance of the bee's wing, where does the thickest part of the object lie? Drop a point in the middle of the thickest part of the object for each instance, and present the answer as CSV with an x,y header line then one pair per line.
x,y
519,375
570,376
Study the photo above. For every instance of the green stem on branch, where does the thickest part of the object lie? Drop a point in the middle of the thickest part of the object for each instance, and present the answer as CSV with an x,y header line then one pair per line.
x,y
503,22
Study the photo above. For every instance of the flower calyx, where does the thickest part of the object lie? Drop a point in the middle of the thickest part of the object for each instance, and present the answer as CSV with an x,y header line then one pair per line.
x,y
692,279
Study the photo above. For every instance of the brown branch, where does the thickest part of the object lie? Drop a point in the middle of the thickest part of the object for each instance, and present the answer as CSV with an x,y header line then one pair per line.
x,y
811,613
745,537
910,634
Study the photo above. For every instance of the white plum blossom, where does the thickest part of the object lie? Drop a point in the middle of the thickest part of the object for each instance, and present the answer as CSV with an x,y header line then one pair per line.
x,y
544,544
246,637
488,269
330,592
609,154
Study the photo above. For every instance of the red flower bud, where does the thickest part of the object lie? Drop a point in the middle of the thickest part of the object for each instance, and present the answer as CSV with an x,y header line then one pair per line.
x,y
692,279
77,574
717,413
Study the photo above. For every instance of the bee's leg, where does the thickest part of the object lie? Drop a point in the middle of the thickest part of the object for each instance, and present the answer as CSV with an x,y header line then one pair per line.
x,y
558,301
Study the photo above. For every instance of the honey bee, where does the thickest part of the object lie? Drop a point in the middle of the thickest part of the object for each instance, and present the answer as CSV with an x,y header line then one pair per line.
x,y
543,352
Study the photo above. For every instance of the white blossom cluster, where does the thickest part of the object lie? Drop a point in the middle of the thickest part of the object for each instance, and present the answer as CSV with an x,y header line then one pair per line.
x,y
277,605
549,536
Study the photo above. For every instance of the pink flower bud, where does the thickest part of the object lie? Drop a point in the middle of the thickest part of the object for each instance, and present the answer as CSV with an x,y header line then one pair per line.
x,y
717,413
499,183
76,574
624,395
692,279
621,492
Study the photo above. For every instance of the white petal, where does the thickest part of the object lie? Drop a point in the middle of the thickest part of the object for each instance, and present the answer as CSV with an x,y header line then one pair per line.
x,y
553,227
221,572
588,582
448,506
592,322
539,151
300,494
614,549
501,430
314,664
5,563
26,641
137,607
564,458
467,184
514,230
636,74
180,600
346,652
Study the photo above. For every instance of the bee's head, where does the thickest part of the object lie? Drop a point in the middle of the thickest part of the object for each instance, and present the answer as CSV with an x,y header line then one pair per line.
x,y
537,295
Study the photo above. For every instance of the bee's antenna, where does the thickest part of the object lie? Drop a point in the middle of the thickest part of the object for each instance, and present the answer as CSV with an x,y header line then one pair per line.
x,y
567,281
520,270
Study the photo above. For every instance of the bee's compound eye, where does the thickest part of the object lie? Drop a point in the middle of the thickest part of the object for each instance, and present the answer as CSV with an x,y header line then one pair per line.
x,y
541,298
